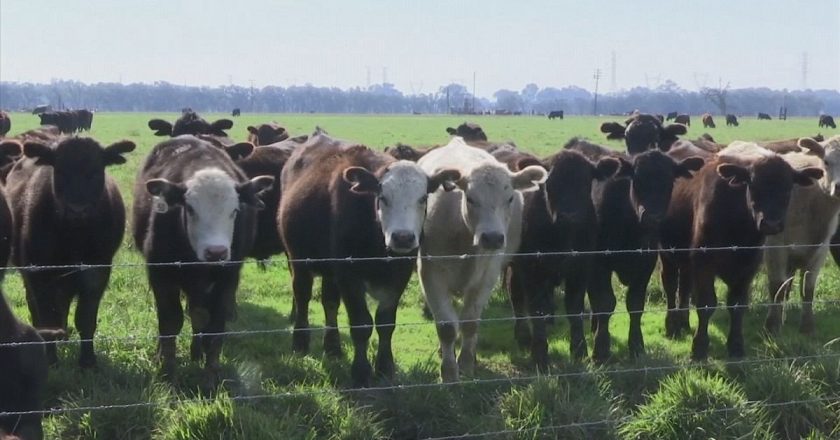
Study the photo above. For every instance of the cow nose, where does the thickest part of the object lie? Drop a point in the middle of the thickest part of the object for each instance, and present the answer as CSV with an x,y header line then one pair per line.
x,y
216,253
771,227
492,240
403,240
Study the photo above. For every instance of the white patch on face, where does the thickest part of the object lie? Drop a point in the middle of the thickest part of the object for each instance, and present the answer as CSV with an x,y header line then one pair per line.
x,y
401,209
487,203
212,203
831,179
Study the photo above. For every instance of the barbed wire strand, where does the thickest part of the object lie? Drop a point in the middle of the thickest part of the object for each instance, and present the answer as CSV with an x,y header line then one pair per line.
x,y
285,330
464,383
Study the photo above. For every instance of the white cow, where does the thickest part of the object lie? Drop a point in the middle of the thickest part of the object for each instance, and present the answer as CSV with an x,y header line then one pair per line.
x,y
811,220
483,217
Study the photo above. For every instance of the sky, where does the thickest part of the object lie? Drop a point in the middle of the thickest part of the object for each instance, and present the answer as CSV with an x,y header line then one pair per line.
x,y
421,45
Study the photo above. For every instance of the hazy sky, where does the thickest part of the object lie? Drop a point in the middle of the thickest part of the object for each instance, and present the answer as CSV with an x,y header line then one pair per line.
x,y
423,44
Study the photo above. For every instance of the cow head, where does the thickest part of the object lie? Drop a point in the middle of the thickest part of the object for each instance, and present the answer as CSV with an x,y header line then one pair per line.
x,y
491,194
769,181
470,131
402,190
211,200
78,165
190,123
568,187
265,134
652,176
829,152
644,132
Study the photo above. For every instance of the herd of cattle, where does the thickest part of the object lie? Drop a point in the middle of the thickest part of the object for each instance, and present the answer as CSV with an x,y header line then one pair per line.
x,y
204,199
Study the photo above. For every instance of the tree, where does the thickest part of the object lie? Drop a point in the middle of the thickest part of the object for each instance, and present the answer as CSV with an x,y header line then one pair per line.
x,y
508,100
716,96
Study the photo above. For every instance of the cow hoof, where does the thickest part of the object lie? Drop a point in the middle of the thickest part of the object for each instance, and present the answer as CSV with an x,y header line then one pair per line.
x,y
637,351
87,362
522,333
449,372
466,364
807,327
361,373
699,352
332,344
196,353
385,369
300,342
772,326
167,370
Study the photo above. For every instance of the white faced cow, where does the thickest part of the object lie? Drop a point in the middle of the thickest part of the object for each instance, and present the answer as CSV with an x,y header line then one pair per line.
x,y
483,217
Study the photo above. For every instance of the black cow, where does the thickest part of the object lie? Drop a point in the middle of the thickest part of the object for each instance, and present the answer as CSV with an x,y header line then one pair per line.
x,y
731,120
825,121
555,114
643,132
236,112
683,119
193,204
671,115
41,109
190,123
470,131
5,123
67,211
629,210
764,116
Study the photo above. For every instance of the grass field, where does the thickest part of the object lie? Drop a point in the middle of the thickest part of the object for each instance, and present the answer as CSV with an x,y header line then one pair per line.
x,y
666,396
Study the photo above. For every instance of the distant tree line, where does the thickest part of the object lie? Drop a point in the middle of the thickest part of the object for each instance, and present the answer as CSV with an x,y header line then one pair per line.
x,y
385,98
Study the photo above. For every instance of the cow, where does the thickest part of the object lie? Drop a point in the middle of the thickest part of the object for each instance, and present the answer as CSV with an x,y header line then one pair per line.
x,y
629,209
738,198
236,112
643,132
555,114
402,151
764,116
469,131
193,204
683,119
810,221
67,211
483,217
783,146
558,217
84,119
186,110
353,202
41,109
671,116
661,118
731,120
708,122
265,134
825,121
190,123
5,123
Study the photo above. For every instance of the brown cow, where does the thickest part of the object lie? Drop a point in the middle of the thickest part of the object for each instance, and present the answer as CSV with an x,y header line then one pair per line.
x,y
264,134
643,132
784,146
739,196
708,122
67,211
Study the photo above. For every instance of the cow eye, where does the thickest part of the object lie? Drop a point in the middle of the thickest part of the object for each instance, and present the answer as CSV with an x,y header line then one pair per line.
x,y
233,214
190,210
470,200
510,200
423,199
383,200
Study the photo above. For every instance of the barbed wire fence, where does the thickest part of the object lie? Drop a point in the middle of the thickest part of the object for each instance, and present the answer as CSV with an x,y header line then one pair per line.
x,y
133,339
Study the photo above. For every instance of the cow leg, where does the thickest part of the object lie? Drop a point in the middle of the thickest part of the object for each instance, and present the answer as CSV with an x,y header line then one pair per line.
x,y
218,304
575,293
670,276
835,246
170,315
386,318
474,302
440,303
704,288
93,283
737,299
330,300
49,305
539,308
684,295
808,283
777,269
635,302
302,288
355,301
519,303
602,299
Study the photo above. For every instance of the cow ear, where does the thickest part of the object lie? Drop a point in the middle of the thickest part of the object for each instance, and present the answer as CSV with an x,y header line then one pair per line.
x,y
675,130
625,169
252,191
161,127
807,176
812,147
300,139
606,168
526,162
114,152
529,178
614,130
222,124
736,175
240,150
684,167
10,148
171,193
252,129
445,178
451,131
43,154
363,181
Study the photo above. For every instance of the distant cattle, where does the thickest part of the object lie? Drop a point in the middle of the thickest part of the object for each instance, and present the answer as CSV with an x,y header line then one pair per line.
x,y
661,118
193,204
825,121
236,112
559,217
671,115
708,121
737,199
186,110
68,121
764,116
470,131
810,221
683,119
265,134
555,114
643,132
41,109
349,201
483,216
731,120
190,123
5,123
629,210
67,211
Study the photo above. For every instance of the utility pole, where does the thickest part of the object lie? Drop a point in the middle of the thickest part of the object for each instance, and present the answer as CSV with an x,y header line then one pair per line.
x,y
597,77
251,97
384,75
473,94
612,73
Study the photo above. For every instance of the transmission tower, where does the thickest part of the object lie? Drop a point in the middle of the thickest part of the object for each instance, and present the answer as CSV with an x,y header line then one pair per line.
x,y
597,77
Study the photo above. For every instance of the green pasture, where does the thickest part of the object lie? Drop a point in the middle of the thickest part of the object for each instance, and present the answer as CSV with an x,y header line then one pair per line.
x,y
270,393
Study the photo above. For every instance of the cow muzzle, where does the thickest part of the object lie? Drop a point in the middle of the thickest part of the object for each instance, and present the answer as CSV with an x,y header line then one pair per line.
x,y
216,253
491,241
770,227
402,242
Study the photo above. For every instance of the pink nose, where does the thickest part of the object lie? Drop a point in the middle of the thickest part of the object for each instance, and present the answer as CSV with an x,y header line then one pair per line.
x,y
216,253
